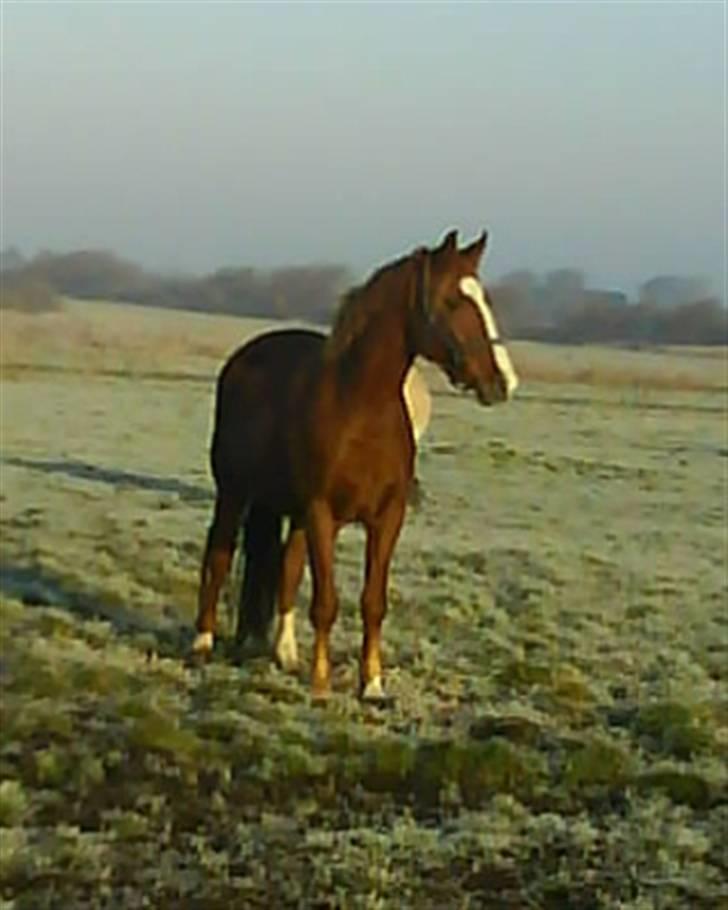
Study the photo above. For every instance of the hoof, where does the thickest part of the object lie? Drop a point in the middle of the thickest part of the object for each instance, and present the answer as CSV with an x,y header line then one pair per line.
x,y
201,652
285,656
372,693
253,646
320,691
287,664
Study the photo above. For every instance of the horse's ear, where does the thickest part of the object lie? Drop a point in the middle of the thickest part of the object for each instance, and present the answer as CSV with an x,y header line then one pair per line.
x,y
450,242
474,252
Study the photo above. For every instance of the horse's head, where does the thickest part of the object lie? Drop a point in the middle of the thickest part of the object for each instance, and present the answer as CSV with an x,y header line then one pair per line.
x,y
454,325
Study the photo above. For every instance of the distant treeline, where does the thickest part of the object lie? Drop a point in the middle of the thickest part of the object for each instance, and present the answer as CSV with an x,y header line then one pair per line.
x,y
296,292
558,307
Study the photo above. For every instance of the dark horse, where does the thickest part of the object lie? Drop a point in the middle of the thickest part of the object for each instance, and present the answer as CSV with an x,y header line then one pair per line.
x,y
330,442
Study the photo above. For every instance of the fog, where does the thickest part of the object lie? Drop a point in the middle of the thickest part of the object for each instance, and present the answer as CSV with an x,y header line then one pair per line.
x,y
191,137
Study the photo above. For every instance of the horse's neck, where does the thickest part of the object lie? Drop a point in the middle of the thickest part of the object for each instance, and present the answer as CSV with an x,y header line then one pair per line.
x,y
378,362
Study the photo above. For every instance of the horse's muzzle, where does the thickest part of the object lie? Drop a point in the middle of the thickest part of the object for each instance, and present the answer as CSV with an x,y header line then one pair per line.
x,y
490,393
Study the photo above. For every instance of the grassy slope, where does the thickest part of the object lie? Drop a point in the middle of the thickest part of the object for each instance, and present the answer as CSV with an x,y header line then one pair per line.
x,y
556,644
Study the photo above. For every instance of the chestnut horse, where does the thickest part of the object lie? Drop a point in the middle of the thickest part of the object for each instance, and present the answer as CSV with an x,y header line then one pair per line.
x,y
343,445
263,365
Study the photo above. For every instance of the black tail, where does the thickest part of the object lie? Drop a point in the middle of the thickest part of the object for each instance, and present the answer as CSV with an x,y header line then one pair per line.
x,y
262,553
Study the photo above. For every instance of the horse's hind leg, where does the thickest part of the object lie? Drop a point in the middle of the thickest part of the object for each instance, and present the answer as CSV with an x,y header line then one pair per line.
x,y
294,558
381,538
219,550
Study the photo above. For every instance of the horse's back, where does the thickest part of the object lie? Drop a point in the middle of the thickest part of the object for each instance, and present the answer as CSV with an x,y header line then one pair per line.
x,y
257,393
260,357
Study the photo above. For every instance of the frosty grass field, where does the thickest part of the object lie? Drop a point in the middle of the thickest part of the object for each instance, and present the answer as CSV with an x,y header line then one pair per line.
x,y
556,644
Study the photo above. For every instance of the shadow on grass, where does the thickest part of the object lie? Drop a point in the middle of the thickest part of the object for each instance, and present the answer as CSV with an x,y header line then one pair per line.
x,y
37,587
83,470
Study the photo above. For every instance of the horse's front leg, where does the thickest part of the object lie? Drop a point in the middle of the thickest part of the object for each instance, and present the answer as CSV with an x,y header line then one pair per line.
x,y
382,534
321,537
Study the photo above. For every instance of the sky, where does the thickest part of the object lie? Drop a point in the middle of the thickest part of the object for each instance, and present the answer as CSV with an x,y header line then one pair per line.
x,y
192,136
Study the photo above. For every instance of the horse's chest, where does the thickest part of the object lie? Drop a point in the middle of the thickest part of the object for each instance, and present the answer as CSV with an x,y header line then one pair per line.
x,y
369,470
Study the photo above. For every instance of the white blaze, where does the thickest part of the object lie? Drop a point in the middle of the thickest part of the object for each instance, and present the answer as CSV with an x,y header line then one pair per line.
x,y
417,401
470,287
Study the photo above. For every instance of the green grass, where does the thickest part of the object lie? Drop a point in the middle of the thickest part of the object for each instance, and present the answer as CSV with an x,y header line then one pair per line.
x,y
556,644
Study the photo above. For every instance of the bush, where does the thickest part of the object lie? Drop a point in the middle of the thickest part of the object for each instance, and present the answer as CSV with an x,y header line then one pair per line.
x,y
28,295
88,274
